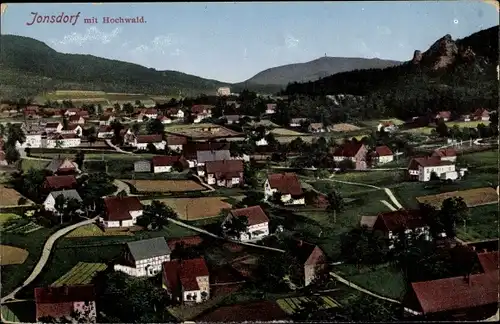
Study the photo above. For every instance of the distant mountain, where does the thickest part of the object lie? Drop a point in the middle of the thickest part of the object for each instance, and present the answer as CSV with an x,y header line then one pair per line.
x,y
29,66
316,69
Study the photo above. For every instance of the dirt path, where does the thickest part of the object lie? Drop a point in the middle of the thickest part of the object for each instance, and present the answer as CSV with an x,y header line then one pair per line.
x,y
391,207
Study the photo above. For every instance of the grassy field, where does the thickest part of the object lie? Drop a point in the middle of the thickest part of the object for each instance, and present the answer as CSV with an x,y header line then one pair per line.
x,y
165,185
12,255
482,225
195,208
344,127
10,197
374,178
21,312
293,304
285,132
81,274
5,218
375,122
94,230
480,160
27,164
472,197
427,130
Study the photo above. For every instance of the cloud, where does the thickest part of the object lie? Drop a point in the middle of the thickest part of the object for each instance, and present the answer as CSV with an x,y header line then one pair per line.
x,y
383,30
159,44
176,52
92,34
291,42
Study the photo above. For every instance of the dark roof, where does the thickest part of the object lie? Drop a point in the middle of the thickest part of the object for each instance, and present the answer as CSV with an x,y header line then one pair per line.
x,y
307,253
118,208
60,182
254,214
186,241
263,311
444,114
444,152
74,118
64,294
488,261
176,140
383,151
456,293
285,183
68,194
197,109
165,160
150,248
192,148
399,220
106,117
52,125
349,149
224,166
184,273
149,138
481,112
105,129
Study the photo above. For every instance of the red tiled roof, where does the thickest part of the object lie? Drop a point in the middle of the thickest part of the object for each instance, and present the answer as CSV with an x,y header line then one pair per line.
x,y
198,109
271,106
308,254
399,220
427,162
184,272
58,301
488,261
119,208
186,241
75,110
82,113
444,152
106,117
193,147
285,183
149,111
176,140
105,129
383,151
172,111
260,311
481,112
189,283
74,118
349,149
224,166
456,293
165,160
254,214
157,138
444,114
60,182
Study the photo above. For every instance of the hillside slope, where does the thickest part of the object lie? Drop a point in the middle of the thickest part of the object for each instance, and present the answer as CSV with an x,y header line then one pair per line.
x,y
313,70
30,66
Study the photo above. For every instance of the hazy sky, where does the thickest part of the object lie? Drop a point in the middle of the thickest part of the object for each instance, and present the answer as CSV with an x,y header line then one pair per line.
x,y
233,41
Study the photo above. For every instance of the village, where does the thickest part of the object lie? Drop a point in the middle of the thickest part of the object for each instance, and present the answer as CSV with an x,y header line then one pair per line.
x,y
199,212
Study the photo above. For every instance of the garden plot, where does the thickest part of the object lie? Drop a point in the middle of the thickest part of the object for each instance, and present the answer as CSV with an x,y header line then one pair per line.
x,y
12,255
80,274
472,197
195,208
292,305
164,185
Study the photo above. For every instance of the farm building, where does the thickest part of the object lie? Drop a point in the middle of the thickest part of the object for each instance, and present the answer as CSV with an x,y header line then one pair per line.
x,y
197,153
50,201
311,257
62,166
481,114
61,141
186,280
394,223
76,120
142,166
164,119
61,302
141,142
72,129
297,122
444,115
106,120
382,154
121,212
231,119
105,131
144,258
225,173
354,151
316,128
175,143
62,182
257,223
287,185
53,127
165,163
422,168
175,113
445,154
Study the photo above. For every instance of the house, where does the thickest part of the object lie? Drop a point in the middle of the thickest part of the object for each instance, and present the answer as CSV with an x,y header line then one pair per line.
x,y
312,258
387,126
258,223
465,118
33,139
287,185
481,114
186,281
382,154
62,141
297,122
261,142
72,129
30,112
421,168
165,163
175,113
151,113
354,151
62,182
368,221
197,153
270,108
472,297
444,115
55,127
141,141
144,258
231,119
224,173
76,120
71,112
165,119
316,128
232,103
223,91
175,143
105,131
106,120
201,112
127,135
401,222
83,113
250,312
61,302
142,166
62,166
445,154
50,202
121,211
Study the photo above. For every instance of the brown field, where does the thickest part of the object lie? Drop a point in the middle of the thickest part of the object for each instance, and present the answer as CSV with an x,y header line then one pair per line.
x,y
472,197
12,255
10,197
202,131
195,208
343,128
165,185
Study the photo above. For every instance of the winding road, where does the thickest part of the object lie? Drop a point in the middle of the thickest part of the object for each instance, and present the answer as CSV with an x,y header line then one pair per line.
x,y
47,249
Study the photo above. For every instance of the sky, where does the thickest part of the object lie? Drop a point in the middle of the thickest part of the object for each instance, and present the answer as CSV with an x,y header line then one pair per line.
x,y
233,41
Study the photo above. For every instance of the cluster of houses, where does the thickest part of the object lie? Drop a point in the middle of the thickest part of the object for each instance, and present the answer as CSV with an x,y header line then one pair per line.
x,y
479,114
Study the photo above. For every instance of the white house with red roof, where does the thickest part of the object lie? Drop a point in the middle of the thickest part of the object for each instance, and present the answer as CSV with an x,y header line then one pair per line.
x,y
186,281
165,163
61,140
72,129
165,119
76,119
175,143
175,113
121,212
105,131
106,120
141,142
421,168
481,114
258,223
445,154
354,151
286,184
270,108
53,127
382,154
444,115
224,173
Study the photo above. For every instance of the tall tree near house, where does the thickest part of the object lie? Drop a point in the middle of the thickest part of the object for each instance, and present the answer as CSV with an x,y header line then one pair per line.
x,y
308,307
92,139
79,158
15,134
494,123
151,148
441,128
432,218
11,154
155,126
335,204
157,214
66,207
128,108
135,128
65,122
204,295
117,127
59,144
117,107
454,210
235,226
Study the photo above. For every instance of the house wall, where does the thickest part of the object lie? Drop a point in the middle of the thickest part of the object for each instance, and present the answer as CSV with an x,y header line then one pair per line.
x,y
124,223
425,172
409,233
385,159
449,158
150,267
105,134
34,140
311,271
162,169
49,203
68,142
250,236
195,296
268,191
175,147
84,307
142,166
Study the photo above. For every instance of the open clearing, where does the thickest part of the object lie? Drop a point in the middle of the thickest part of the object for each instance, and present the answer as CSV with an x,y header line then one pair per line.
x,y
94,230
80,274
12,255
343,127
5,218
164,185
471,124
472,197
376,122
481,225
285,132
201,131
293,304
10,197
195,208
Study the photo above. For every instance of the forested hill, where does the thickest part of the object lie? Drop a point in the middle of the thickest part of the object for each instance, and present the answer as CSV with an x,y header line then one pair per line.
x,y
455,75
30,65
